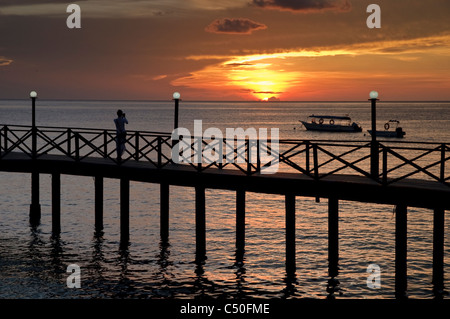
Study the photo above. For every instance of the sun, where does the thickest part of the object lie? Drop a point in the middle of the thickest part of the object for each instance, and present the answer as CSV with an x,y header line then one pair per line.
x,y
265,99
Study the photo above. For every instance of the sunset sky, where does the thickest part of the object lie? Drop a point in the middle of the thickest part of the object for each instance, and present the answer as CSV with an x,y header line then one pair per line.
x,y
288,50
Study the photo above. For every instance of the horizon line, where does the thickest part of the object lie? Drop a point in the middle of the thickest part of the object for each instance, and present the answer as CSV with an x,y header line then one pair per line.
x,y
231,101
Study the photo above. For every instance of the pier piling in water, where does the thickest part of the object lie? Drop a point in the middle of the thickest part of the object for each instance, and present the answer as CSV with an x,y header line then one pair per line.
x,y
400,250
124,210
35,206
56,204
98,202
240,221
438,249
333,236
200,223
164,212
290,234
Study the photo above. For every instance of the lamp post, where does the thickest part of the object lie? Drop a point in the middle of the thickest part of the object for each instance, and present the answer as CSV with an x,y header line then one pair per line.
x,y
176,98
33,96
374,154
35,207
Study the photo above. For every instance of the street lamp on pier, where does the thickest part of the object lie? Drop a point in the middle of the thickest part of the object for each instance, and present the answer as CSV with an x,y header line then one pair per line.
x,y
176,98
374,151
33,96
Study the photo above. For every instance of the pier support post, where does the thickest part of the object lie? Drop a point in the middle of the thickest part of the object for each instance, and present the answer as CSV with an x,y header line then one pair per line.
x,y
35,207
98,203
240,223
164,211
290,234
438,249
333,236
200,224
400,251
124,210
56,204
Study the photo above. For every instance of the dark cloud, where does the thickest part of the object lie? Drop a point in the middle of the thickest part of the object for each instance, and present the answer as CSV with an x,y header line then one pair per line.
x,y
237,65
304,5
234,26
7,3
267,92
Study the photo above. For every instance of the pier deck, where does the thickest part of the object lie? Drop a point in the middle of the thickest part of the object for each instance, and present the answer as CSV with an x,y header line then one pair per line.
x,y
411,192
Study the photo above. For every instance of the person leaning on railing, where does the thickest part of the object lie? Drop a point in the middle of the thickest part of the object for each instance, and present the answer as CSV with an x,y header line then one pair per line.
x,y
121,133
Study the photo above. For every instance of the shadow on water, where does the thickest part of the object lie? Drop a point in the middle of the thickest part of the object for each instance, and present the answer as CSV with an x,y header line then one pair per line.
x,y
163,260
35,253
98,258
57,257
333,284
291,285
239,265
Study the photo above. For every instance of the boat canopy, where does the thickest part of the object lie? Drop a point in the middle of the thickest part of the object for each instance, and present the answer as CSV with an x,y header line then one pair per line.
x,y
330,117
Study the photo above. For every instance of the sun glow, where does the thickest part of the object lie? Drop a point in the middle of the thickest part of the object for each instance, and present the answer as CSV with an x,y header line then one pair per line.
x,y
289,74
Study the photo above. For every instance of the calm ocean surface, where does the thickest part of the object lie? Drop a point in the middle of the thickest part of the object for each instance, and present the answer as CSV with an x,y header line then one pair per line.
x,y
33,264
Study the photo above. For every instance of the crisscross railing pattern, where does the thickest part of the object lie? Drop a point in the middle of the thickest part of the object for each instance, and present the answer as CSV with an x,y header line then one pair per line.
x,y
316,159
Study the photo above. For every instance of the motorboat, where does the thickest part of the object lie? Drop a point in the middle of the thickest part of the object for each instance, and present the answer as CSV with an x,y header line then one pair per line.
x,y
331,123
391,129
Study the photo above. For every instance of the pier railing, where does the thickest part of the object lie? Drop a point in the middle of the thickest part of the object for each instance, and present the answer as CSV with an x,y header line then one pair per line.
x,y
317,159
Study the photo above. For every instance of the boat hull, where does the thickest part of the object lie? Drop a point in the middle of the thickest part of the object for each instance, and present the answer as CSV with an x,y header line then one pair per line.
x,y
331,128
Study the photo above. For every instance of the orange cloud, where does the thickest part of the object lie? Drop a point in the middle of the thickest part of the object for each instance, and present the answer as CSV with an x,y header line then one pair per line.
x,y
5,61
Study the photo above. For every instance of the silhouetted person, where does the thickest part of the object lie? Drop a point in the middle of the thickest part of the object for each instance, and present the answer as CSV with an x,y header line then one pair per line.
x,y
121,133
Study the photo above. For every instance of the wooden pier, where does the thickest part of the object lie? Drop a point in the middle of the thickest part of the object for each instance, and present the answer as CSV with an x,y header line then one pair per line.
x,y
334,170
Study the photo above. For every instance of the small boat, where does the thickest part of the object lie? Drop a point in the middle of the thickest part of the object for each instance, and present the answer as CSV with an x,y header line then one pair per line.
x,y
327,123
391,129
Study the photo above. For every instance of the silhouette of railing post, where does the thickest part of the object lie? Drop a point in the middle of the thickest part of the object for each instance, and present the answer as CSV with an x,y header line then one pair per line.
x,y
136,147
400,250
333,236
442,172
69,142
240,223
307,156
105,144
385,169
98,202
200,223
124,210
164,213
5,138
438,249
248,144
258,155
77,146
56,204
290,234
316,162
159,142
